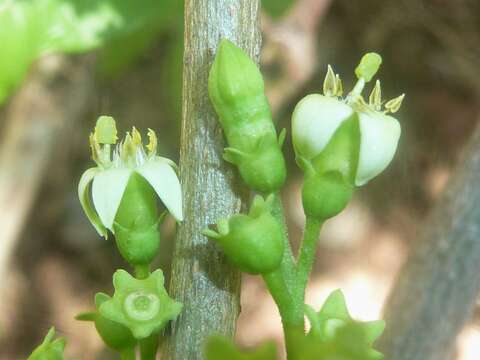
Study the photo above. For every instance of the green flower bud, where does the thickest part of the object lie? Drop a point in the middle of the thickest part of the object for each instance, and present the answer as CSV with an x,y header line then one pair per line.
x,y
116,336
49,349
237,92
143,306
325,195
253,242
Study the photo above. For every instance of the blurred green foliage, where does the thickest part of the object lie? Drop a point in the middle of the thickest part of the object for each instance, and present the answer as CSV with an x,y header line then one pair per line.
x,y
31,28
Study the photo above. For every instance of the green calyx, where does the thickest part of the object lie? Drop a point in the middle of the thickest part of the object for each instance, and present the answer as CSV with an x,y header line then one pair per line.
x,y
220,348
136,222
50,348
330,176
334,334
143,306
115,335
253,242
236,89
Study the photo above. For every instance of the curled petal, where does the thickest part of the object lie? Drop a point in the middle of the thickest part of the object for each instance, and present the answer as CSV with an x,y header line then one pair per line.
x,y
314,121
379,139
162,177
107,191
84,197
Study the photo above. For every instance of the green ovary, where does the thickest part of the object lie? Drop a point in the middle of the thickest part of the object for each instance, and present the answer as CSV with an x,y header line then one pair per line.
x,y
141,306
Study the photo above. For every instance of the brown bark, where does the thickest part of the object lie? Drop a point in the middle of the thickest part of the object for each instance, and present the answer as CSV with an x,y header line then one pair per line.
x,y
201,279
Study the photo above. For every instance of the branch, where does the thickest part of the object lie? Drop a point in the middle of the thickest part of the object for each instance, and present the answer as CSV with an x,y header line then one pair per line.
x,y
201,279
436,291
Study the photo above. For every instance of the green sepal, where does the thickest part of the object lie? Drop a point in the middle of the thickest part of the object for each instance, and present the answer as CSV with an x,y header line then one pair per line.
x,y
50,348
253,242
330,177
334,334
116,336
143,306
136,222
221,348
325,195
342,151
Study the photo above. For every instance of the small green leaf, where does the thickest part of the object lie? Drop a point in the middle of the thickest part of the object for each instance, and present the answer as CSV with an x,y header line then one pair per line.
x,y
49,349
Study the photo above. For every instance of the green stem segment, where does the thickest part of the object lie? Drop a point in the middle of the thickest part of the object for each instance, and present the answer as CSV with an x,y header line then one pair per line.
x,y
148,347
287,284
128,354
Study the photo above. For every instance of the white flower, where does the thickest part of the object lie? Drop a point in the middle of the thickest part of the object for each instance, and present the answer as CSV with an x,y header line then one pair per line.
x,y
316,118
109,179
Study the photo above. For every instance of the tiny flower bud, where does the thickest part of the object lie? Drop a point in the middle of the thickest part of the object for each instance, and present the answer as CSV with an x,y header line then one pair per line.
x,y
253,242
236,90
143,306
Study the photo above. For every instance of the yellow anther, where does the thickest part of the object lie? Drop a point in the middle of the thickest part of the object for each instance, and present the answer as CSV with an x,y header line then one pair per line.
x,y
94,147
394,105
128,147
136,137
152,142
375,99
338,86
330,83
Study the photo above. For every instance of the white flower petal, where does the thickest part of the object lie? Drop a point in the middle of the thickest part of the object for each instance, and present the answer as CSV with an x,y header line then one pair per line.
x,y
107,191
314,121
84,197
379,139
161,176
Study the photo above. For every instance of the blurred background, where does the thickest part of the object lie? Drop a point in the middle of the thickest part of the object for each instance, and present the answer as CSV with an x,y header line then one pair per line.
x,y
51,260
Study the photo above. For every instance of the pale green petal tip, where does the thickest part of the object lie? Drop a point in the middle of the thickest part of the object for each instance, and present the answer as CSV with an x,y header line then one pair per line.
x,y
164,180
368,67
106,130
84,197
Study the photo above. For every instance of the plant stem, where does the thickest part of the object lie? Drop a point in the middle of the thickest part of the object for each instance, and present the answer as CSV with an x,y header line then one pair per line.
x,y
128,354
306,256
287,284
148,347
142,271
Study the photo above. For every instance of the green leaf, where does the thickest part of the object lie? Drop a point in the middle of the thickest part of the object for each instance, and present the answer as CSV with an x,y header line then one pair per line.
x,y
220,348
31,28
49,349
335,335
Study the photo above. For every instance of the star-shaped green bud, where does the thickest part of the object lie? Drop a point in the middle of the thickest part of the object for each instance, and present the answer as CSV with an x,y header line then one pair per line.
x,y
220,348
116,336
334,333
50,348
253,242
143,306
